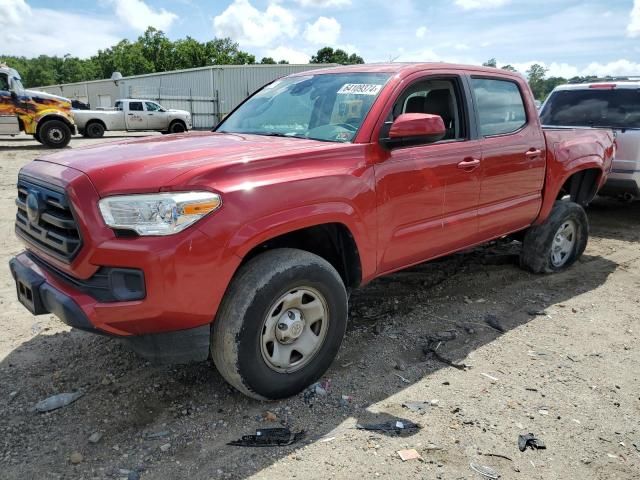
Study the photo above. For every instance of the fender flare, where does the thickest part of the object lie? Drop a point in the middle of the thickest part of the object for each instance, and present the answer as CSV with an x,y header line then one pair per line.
x,y
260,230
53,114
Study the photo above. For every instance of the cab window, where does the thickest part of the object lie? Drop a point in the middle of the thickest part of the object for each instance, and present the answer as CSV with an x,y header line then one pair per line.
x,y
435,96
152,107
135,106
4,82
118,105
500,106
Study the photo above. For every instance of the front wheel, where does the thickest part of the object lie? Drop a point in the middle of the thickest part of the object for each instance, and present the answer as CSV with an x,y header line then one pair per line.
x,y
54,134
280,324
557,243
177,127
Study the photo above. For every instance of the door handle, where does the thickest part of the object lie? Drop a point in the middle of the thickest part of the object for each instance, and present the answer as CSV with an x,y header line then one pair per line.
x,y
469,164
533,153
130,114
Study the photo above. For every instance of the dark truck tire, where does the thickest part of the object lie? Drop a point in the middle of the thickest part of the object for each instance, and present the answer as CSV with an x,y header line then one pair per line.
x,y
280,288
177,126
94,130
54,134
558,242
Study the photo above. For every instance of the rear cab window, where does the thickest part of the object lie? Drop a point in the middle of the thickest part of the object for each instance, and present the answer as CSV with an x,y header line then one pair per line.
x,y
500,106
135,106
593,107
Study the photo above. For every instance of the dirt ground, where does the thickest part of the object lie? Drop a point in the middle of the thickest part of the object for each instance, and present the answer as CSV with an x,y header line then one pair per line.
x,y
556,355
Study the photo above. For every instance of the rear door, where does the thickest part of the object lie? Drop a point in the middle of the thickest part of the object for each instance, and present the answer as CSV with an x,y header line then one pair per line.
x,y
513,155
8,118
136,117
428,193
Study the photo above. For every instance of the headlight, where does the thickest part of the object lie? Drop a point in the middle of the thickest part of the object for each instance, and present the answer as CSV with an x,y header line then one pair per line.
x,y
158,213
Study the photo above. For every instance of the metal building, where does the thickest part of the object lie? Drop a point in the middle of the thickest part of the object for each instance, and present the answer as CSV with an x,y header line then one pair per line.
x,y
208,93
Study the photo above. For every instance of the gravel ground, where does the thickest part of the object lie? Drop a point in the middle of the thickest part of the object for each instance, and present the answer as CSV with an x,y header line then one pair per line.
x,y
515,353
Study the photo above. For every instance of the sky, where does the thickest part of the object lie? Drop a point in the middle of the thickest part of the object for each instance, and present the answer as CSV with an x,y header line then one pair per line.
x,y
569,37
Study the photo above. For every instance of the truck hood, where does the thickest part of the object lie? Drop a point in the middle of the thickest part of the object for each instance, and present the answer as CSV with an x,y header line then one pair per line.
x,y
150,164
46,96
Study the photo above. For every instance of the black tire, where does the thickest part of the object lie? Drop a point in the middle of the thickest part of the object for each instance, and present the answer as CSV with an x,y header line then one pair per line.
x,y
538,243
36,137
94,130
54,134
236,341
177,126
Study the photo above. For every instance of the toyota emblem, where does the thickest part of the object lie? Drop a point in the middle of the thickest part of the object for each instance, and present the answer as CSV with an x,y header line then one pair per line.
x,y
34,207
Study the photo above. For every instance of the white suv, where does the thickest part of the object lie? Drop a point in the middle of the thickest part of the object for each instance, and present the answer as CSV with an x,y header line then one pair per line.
x,y
614,105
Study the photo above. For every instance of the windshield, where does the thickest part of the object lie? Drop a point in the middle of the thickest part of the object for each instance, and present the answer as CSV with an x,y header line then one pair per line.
x,y
616,108
329,107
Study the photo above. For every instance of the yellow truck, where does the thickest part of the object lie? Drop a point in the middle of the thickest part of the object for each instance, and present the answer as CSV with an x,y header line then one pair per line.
x,y
47,117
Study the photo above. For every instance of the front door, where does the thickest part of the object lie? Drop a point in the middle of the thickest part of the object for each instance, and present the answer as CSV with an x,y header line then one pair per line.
x,y
427,194
513,157
8,118
136,117
156,118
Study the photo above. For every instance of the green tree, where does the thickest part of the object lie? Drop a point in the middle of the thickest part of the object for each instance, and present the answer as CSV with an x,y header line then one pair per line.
x,y
535,76
268,61
329,55
509,68
490,63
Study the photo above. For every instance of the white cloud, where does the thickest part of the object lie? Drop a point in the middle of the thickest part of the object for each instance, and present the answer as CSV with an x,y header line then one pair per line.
x,y
139,15
633,29
13,12
324,3
421,32
289,54
40,31
478,4
621,67
249,26
324,31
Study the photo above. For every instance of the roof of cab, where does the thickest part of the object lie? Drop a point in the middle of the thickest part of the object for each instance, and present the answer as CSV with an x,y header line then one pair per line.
x,y
632,84
405,69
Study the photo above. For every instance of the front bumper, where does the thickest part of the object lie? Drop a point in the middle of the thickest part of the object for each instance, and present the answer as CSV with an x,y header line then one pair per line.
x,y
40,297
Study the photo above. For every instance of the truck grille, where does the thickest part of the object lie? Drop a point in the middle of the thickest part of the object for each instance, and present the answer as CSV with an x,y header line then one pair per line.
x,y
45,220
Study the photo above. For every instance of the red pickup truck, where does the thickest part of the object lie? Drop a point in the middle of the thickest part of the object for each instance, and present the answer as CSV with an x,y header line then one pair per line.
x,y
244,243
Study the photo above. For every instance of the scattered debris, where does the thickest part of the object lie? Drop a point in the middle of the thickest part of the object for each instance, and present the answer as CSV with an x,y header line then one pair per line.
x,y
427,350
268,437
494,323
76,458
399,365
345,400
57,401
394,426
404,380
530,440
163,433
410,454
320,389
485,471
95,437
537,313
498,455
490,377
269,416
165,447
420,406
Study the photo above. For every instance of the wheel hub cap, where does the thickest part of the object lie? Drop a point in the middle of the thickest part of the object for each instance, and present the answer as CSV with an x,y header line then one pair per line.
x,y
563,243
294,329
55,134
290,326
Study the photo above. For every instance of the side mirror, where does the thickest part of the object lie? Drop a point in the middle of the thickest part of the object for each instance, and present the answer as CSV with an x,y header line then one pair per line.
x,y
420,127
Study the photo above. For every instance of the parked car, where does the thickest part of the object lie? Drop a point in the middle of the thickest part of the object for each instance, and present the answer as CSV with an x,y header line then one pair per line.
x,y
614,105
245,242
132,115
47,117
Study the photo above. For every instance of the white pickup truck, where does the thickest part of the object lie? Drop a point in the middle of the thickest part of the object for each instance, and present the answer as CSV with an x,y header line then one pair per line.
x,y
132,115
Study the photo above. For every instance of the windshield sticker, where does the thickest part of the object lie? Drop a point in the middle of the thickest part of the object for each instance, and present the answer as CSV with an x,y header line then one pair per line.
x,y
360,89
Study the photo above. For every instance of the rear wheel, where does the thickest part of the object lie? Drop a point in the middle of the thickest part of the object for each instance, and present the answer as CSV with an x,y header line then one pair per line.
x,y
558,242
280,324
54,134
94,130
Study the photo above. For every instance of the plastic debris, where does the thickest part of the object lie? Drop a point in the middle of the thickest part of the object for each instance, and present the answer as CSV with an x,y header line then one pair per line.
x,y
529,440
394,426
490,377
410,454
57,401
485,471
419,407
404,380
268,437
